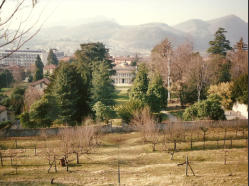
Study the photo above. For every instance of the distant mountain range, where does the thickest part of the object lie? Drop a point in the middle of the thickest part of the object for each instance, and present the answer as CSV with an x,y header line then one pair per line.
x,y
129,40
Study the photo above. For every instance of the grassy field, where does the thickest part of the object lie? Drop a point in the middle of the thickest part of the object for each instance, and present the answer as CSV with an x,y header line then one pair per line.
x,y
138,164
122,95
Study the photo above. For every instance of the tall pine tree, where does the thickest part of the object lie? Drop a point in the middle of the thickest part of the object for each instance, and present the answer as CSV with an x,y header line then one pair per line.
x,y
38,69
220,45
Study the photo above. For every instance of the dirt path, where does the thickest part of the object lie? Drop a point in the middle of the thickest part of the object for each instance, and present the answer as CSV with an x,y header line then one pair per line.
x,y
172,118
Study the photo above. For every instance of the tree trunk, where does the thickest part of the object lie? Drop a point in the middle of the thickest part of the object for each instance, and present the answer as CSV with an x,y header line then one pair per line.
x,y
55,168
204,139
1,158
199,95
225,136
35,150
77,158
186,170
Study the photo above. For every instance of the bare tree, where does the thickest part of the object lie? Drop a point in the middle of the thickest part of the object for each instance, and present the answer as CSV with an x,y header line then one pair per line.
x,y
49,152
198,73
175,135
31,95
145,122
19,14
239,59
161,61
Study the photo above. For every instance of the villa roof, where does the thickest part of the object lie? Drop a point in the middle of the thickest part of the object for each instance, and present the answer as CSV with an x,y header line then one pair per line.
x,y
2,108
124,67
51,66
44,80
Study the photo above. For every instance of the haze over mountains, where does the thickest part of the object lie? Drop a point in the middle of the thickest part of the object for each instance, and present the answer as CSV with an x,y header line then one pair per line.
x,y
129,40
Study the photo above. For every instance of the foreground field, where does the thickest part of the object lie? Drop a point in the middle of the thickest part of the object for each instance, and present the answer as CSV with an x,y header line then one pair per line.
x,y
138,164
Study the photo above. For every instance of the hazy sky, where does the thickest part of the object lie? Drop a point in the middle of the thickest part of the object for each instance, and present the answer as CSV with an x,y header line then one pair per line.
x,y
131,12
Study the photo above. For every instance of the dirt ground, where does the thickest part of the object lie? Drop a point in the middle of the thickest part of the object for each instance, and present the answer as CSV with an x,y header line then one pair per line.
x,y
138,164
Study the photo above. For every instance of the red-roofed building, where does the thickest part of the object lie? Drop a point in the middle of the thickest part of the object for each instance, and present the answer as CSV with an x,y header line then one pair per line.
x,y
49,69
41,85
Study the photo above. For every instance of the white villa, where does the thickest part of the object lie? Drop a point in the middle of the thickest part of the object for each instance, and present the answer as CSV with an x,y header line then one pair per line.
x,y
124,74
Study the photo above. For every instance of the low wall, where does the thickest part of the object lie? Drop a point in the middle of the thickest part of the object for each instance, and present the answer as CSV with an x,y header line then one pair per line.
x,y
115,129
56,131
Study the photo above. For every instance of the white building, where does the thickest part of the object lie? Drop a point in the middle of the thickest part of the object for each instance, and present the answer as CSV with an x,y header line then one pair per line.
x,y
124,74
24,58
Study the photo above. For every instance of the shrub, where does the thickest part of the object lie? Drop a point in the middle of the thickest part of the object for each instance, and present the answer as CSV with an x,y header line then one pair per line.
x,y
103,112
206,109
127,110
4,124
224,90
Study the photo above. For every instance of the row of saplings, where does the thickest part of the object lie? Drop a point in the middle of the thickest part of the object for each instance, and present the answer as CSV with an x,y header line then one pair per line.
x,y
73,142
83,140
191,132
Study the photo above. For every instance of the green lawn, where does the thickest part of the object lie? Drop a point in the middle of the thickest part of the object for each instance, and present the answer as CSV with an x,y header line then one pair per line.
x,y
122,95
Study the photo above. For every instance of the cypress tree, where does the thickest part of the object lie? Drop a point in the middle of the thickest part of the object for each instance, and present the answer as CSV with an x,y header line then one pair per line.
x,y
39,69
52,59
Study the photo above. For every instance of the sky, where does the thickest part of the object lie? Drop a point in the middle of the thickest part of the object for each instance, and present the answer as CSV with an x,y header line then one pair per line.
x,y
134,12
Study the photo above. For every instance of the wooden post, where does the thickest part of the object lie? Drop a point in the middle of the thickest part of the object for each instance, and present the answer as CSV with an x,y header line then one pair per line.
x,y
35,150
191,169
186,170
118,167
204,139
1,158
118,173
16,143
217,143
225,136
55,168
225,158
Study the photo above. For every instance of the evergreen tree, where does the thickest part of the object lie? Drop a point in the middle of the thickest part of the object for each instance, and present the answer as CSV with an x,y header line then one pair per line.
x,y
91,54
102,86
39,69
220,45
6,79
140,84
52,59
70,93
224,72
240,89
157,94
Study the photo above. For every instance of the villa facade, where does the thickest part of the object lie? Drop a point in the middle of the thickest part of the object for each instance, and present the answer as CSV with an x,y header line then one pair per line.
x,y
124,74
